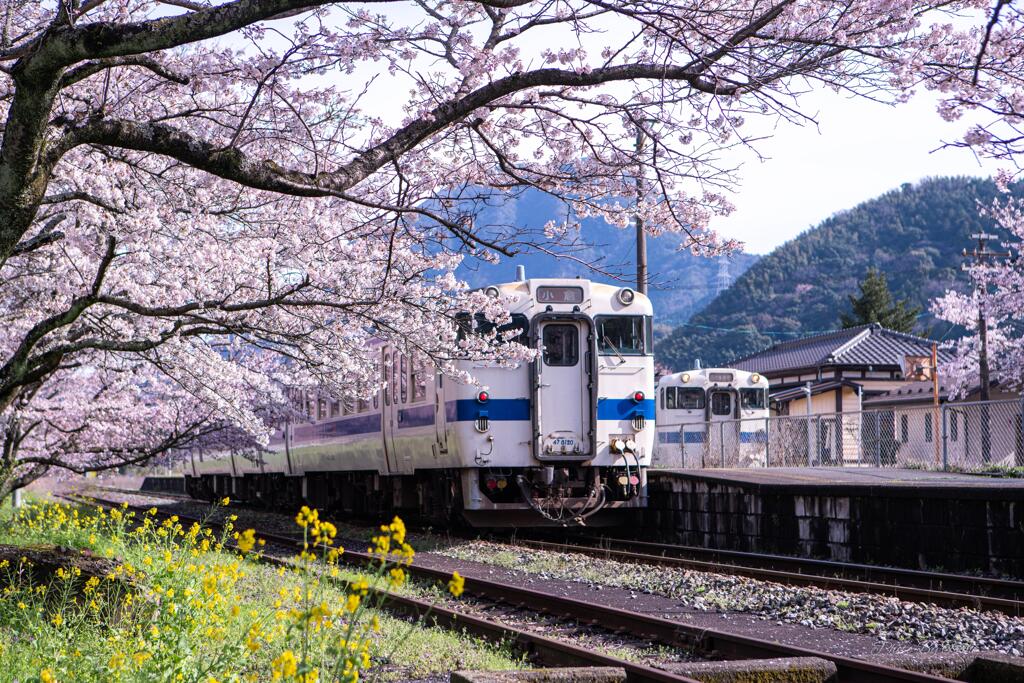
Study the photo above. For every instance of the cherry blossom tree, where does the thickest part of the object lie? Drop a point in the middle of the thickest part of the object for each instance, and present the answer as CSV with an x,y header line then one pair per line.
x,y
203,201
998,290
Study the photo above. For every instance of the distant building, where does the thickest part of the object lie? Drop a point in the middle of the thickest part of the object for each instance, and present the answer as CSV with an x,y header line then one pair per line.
x,y
917,431
841,370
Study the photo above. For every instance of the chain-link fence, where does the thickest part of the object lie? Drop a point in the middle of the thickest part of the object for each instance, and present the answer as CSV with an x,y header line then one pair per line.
x,y
963,436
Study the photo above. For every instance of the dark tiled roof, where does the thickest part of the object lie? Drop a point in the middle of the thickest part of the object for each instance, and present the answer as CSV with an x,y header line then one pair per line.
x,y
920,392
864,345
818,388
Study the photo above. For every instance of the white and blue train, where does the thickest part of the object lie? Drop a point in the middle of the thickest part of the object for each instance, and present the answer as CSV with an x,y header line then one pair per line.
x,y
565,439
711,417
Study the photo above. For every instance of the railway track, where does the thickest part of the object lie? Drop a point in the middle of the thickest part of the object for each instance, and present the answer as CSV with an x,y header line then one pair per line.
x,y
946,590
657,629
939,588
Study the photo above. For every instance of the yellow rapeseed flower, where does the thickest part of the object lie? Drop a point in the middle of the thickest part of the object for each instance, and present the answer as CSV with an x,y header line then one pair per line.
x,y
284,665
225,501
246,540
46,676
457,584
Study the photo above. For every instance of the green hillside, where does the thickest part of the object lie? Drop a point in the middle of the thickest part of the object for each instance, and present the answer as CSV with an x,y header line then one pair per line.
x,y
914,235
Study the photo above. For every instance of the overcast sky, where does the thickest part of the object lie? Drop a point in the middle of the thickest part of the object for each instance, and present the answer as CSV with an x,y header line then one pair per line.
x,y
860,150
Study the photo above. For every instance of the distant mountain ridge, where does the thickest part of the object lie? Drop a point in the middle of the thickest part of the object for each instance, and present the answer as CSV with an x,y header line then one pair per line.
x,y
681,283
914,234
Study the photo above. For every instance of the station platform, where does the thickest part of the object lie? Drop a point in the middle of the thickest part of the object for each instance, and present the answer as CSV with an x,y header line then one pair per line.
x,y
905,518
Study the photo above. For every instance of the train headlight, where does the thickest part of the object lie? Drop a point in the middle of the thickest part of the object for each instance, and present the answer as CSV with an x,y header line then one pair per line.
x,y
492,292
626,296
685,377
755,378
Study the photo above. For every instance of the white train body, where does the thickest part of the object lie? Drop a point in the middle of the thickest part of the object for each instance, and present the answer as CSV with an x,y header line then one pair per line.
x,y
711,417
555,440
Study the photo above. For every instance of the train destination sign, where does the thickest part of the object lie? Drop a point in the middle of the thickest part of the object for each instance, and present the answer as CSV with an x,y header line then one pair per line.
x,y
560,295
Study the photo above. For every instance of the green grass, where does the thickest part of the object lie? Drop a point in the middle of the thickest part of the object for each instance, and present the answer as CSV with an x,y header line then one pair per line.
x,y
208,636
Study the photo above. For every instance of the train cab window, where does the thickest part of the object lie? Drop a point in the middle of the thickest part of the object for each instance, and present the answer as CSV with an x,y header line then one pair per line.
x,y
689,398
753,399
721,403
624,334
517,329
561,345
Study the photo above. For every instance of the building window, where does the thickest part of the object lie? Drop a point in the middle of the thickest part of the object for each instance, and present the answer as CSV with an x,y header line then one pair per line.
x,y
904,428
928,428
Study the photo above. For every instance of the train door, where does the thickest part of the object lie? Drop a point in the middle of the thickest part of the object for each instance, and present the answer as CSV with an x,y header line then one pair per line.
x,y
563,400
389,411
723,435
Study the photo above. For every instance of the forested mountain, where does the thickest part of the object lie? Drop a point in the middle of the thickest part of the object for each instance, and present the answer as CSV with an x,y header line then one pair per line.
x,y
914,235
681,283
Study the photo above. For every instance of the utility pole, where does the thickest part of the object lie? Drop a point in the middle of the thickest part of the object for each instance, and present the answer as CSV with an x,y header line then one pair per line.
x,y
983,256
935,400
641,237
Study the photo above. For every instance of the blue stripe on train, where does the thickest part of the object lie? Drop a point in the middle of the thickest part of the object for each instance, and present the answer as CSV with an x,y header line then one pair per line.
x,y
754,437
500,409
363,424
420,416
506,409
624,408
676,437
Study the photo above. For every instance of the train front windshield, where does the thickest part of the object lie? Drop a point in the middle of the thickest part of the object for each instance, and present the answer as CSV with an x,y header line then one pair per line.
x,y
625,334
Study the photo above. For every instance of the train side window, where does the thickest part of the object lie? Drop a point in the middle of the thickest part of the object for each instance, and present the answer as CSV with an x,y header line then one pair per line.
x,y
350,406
419,381
690,398
752,399
561,345
310,408
335,408
721,403
387,379
321,409
403,380
363,405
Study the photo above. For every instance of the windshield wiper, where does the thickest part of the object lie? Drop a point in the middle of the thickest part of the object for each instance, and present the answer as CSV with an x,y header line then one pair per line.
x,y
609,343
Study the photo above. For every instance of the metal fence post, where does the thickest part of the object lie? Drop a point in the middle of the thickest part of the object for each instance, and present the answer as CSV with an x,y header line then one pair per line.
x,y
721,442
945,435
878,439
1019,445
768,440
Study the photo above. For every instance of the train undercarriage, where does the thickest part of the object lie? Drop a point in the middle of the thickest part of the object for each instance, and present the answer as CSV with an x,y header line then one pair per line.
x,y
554,495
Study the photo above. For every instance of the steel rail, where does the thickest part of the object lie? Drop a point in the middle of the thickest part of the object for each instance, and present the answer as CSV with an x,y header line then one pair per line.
x,y
903,592
666,631
541,649
998,594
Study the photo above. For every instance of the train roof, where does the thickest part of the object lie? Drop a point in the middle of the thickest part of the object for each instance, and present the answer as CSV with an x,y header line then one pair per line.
x,y
597,297
702,376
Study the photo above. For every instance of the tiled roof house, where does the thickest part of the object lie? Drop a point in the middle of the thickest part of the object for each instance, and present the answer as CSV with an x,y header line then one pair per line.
x,y
840,369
